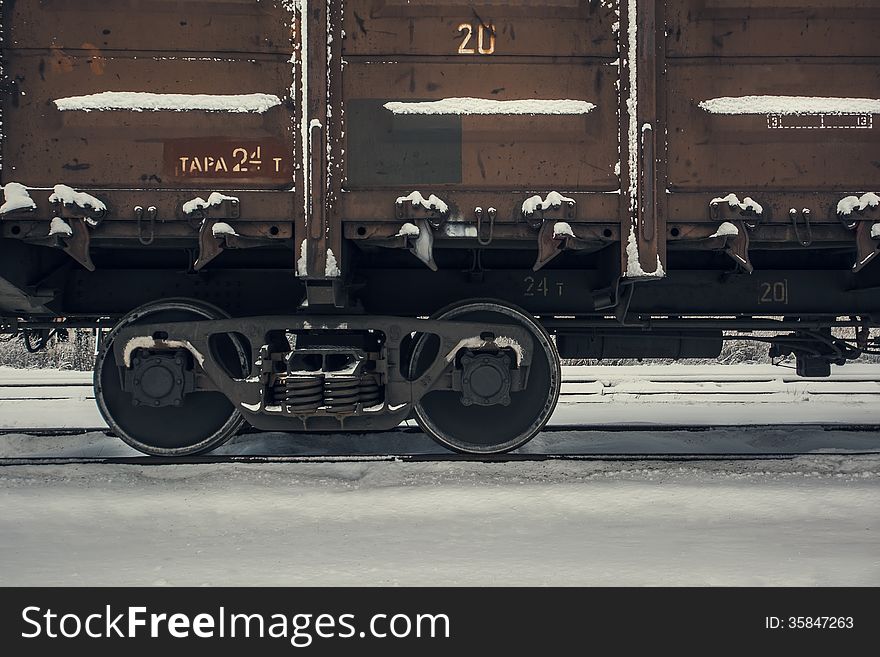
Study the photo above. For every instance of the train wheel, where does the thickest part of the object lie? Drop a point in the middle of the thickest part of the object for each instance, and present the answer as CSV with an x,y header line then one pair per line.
x,y
484,429
202,420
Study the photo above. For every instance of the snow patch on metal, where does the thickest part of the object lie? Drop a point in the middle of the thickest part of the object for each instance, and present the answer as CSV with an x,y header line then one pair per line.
x,y
857,203
408,230
138,101
725,229
634,265
790,105
331,269
16,197
536,203
302,263
222,228
146,342
632,104
484,106
433,202
198,203
69,196
60,227
501,342
746,205
562,229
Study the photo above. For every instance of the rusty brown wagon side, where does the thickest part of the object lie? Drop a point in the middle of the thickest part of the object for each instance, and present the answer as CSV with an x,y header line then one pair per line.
x,y
264,196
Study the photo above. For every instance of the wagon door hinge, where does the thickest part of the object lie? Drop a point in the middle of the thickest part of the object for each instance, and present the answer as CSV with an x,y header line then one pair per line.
x,y
862,215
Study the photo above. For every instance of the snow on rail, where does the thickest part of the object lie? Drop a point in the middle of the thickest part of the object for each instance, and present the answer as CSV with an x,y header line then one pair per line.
x,y
137,101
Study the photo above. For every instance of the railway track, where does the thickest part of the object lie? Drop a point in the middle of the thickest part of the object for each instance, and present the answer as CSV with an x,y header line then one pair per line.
x,y
403,457
420,458
601,408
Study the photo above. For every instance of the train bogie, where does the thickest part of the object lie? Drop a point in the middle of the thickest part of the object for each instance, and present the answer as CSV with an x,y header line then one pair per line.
x,y
306,178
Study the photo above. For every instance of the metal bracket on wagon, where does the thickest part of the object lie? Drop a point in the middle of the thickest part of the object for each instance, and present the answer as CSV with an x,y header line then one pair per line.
x,y
215,236
218,206
554,207
730,208
732,237
862,215
71,236
736,218
415,206
554,237
71,204
419,239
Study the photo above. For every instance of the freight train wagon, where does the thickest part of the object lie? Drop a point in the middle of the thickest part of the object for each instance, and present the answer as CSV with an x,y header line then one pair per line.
x,y
335,215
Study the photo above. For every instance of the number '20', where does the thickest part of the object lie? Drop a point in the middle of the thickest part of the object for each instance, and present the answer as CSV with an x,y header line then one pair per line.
x,y
485,39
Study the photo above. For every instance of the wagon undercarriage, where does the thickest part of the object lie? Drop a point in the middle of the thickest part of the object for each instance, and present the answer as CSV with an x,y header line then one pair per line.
x,y
259,205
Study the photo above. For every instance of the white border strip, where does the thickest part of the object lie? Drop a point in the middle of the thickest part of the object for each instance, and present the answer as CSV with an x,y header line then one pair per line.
x,y
484,106
790,105
137,101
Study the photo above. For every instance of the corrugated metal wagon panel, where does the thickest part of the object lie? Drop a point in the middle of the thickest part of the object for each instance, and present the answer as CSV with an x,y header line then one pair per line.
x,y
129,147
149,95
781,28
433,98
776,100
754,124
216,26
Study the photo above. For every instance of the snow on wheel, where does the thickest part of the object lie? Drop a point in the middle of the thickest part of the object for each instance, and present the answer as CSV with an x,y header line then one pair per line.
x,y
487,417
147,404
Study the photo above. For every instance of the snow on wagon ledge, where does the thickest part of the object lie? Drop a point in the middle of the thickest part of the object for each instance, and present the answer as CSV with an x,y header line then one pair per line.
x,y
477,106
790,105
136,101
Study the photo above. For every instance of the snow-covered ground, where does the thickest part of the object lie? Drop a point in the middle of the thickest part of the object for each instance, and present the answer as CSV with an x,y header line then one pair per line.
x,y
808,520
811,521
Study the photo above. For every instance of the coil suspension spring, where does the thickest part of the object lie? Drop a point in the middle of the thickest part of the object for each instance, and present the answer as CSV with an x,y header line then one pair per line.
x,y
370,393
303,394
341,394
